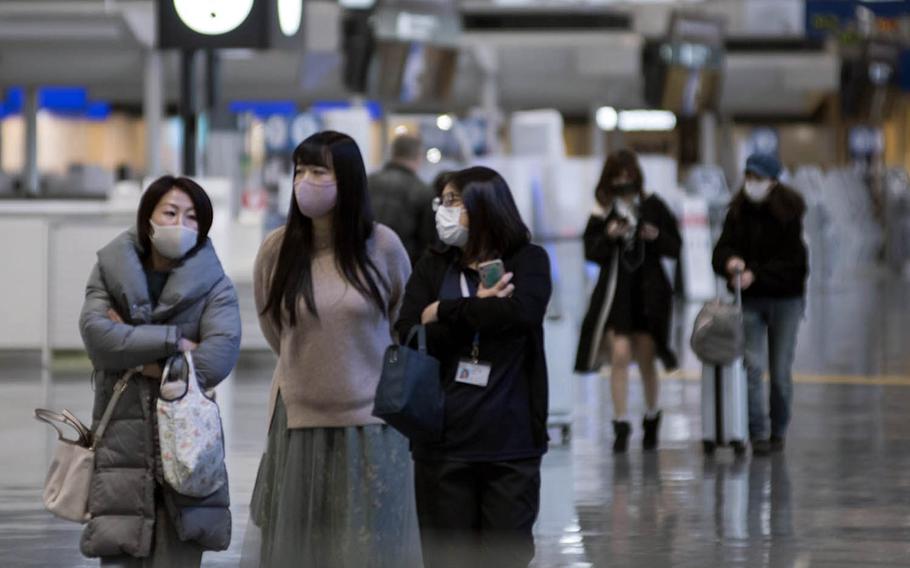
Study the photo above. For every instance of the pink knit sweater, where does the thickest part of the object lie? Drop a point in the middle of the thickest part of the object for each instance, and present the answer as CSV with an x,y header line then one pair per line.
x,y
328,368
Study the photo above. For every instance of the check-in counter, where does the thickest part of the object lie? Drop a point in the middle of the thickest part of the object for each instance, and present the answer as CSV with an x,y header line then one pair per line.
x,y
48,249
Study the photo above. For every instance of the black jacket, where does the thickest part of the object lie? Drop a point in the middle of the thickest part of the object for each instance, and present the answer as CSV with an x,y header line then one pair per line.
x,y
657,293
769,237
404,204
507,419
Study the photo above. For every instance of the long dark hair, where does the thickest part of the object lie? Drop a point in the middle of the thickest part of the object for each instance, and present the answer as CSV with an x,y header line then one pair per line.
x,y
617,164
352,228
496,226
157,190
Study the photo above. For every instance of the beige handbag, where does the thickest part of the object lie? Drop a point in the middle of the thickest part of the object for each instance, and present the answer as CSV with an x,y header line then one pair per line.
x,y
69,476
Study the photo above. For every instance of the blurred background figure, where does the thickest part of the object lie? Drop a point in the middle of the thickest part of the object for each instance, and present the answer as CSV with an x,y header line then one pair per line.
x,y
628,235
763,240
401,201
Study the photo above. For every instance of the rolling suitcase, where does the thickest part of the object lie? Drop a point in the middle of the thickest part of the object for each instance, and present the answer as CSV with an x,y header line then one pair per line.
x,y
724,401
724,407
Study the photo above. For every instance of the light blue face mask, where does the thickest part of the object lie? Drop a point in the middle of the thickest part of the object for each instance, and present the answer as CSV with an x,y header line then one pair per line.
x,y
449,227
173,241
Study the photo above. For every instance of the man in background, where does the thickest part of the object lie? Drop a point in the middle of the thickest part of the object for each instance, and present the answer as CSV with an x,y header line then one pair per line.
x,y
401,201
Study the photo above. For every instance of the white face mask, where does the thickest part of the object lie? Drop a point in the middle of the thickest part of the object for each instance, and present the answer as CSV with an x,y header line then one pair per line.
x,y
758,190
449,227
173,241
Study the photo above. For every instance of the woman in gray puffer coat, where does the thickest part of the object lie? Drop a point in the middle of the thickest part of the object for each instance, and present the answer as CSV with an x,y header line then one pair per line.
x,y
157,289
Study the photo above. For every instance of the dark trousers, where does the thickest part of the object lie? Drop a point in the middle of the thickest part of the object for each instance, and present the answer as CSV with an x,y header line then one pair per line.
x,y
477,514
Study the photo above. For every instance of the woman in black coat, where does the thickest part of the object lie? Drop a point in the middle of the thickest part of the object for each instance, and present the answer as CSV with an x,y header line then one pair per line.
x,y
478,488
629,316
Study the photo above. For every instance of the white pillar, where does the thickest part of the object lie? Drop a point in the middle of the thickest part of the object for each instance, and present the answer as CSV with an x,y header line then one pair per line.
x,y
488,61
152,110
30,170
598,142
707,151
490,105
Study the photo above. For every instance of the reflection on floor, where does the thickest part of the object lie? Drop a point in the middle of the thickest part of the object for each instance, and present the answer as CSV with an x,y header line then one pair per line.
x,y
839,496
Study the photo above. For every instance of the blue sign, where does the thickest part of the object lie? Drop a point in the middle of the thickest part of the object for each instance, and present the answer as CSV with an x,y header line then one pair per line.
x,y
837,18
264,109
373,107
65,101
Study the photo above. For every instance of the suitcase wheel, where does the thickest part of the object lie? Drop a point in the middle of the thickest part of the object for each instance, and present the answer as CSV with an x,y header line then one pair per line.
x,y
708,447
739,447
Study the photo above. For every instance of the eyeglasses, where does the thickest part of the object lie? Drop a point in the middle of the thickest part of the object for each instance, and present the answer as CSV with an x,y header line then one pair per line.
x,y
447,200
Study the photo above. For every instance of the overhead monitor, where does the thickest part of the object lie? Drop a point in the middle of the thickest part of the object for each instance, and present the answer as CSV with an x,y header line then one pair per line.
x,y
684,71
869,80
403,51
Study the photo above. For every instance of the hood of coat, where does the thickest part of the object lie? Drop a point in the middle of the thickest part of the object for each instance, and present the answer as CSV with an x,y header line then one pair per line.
x,y
120,262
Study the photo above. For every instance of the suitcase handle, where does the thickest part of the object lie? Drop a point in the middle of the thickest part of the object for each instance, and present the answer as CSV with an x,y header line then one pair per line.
x,y
738,289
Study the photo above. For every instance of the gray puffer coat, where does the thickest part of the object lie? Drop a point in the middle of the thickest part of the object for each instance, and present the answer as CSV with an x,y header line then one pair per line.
x,y
198,303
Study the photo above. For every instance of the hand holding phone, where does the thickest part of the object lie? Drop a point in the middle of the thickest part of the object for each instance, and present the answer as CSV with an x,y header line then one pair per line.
x,y
494,281
491,272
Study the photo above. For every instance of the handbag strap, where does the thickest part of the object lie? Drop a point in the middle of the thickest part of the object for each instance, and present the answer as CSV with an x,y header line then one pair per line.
x,y
85,432
192,379
56,419
119,387
421,333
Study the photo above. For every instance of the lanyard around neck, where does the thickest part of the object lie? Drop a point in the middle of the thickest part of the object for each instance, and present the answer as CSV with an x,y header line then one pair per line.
x,y
475,348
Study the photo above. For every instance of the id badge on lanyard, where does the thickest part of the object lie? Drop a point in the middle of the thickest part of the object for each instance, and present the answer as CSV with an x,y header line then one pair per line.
x,y
472,371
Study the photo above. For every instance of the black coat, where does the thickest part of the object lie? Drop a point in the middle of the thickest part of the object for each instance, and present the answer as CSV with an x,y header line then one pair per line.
x,y
508,418
657,293
402,202
769,237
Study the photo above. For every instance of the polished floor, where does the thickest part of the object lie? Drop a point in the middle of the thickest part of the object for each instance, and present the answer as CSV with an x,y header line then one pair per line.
x,y
839,496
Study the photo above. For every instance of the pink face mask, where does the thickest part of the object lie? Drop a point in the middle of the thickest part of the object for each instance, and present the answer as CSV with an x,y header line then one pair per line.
x,y
315,199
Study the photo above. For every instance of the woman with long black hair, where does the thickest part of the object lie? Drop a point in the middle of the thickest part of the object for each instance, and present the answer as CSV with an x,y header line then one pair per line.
x,y
478,487
628,235
334,486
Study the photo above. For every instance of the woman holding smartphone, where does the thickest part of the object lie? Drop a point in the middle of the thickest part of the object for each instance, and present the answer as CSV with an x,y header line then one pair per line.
x,y
628,235
478,487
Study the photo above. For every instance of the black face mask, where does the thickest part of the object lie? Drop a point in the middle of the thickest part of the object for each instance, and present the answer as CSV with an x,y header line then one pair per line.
x,y
625,189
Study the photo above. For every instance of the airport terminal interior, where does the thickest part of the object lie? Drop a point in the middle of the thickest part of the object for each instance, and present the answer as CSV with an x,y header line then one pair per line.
x,y
98,98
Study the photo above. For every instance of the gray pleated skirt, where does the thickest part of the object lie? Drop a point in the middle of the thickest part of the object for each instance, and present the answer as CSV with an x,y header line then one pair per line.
x,y
333,497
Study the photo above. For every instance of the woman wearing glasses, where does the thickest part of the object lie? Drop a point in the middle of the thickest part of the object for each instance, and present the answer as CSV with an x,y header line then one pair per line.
x,y
478,487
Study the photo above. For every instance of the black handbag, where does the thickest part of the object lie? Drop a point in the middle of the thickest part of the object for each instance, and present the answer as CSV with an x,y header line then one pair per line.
x,y
410,397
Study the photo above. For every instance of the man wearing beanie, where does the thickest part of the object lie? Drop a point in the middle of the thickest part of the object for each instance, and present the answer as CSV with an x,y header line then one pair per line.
x,y
763,239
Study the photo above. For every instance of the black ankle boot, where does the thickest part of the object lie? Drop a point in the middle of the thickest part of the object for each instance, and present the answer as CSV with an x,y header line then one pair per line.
x,y
776,444
651,427
621,430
